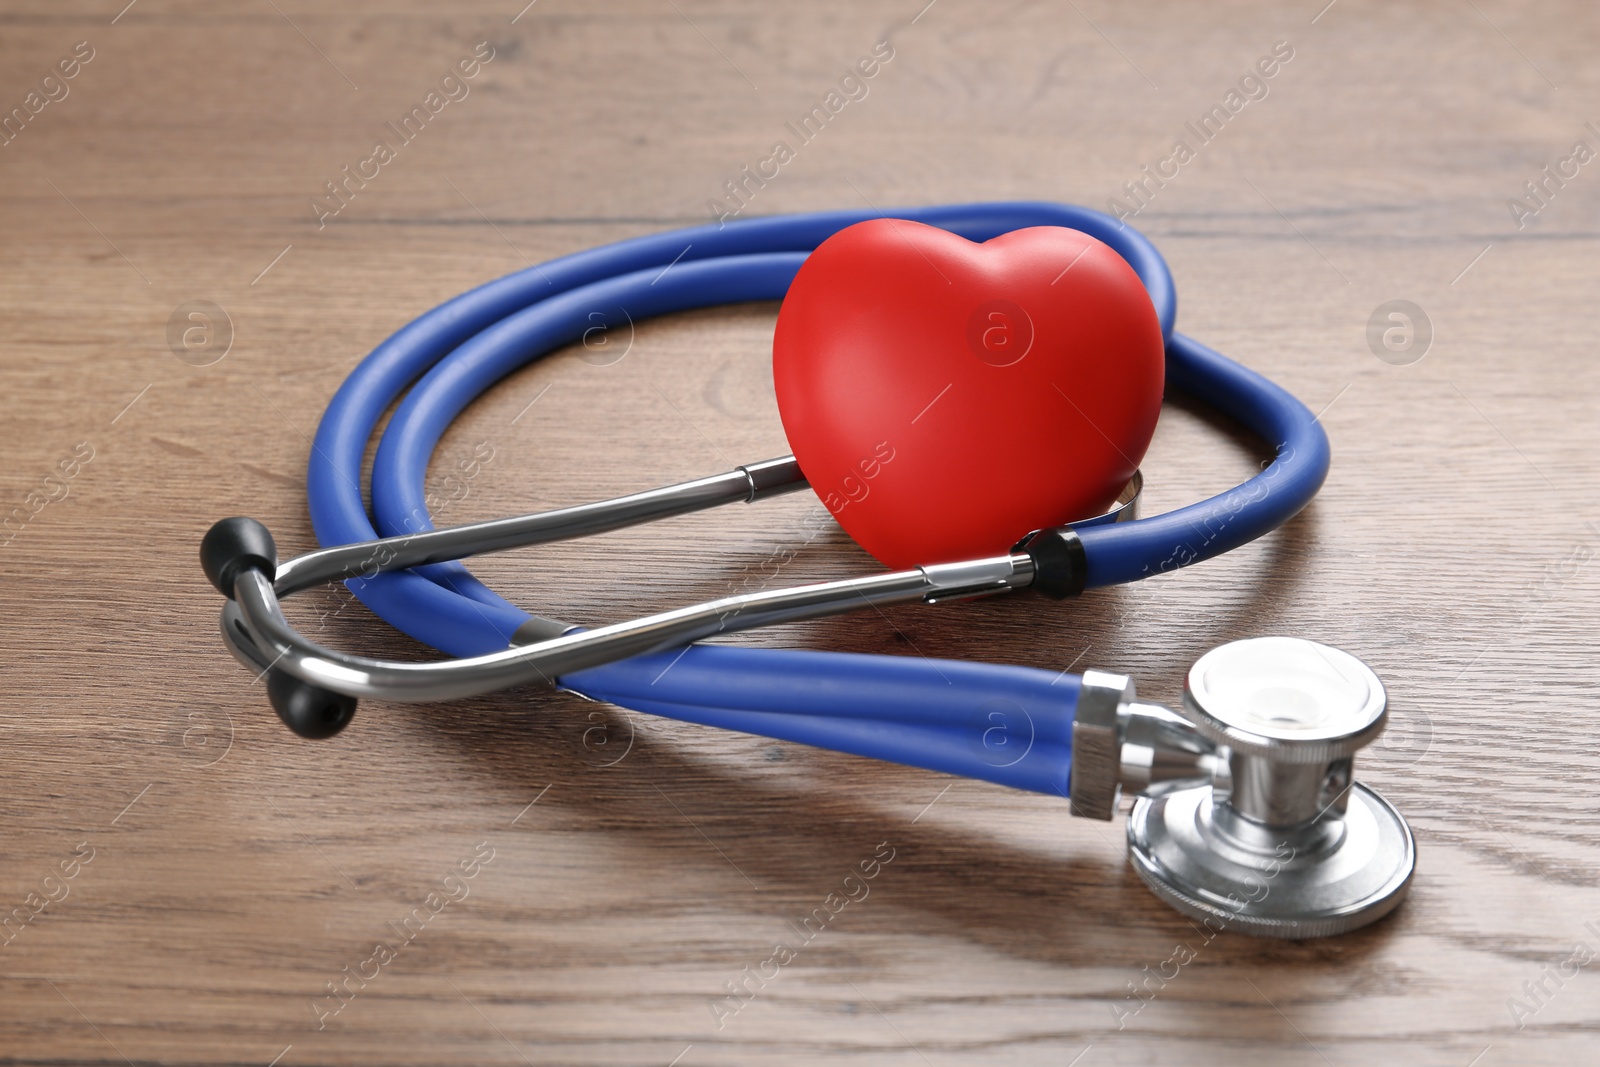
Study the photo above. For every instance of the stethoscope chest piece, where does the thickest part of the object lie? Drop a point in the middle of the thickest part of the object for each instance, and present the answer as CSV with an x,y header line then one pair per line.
x,y
1284,842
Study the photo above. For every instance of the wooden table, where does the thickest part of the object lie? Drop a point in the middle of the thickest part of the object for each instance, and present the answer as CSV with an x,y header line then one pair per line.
x,y
192,878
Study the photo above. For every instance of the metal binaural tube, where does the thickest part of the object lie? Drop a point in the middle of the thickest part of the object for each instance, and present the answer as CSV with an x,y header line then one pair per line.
x,y
257,632
256,618
754,481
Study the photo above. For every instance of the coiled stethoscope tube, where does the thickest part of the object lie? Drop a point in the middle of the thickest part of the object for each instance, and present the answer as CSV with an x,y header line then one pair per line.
x,y
1246,812
906,710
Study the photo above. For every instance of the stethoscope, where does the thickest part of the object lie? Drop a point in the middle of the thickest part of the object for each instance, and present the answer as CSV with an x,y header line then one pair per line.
x,y
1247,816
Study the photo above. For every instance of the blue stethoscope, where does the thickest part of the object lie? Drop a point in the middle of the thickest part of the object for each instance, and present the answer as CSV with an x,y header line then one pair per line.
x,y
1015,726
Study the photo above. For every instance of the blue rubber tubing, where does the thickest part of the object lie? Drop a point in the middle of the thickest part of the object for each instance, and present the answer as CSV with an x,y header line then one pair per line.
x,y
1000,723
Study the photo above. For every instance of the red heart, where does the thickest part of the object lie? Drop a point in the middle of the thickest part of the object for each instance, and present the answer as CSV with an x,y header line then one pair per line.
x,y
944,398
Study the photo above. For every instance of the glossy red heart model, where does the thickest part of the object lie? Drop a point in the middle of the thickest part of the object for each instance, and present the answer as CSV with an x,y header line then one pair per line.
x,y
944,397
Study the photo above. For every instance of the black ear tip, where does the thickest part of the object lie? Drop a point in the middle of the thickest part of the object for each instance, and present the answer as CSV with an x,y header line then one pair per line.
x,y
236,544
309,710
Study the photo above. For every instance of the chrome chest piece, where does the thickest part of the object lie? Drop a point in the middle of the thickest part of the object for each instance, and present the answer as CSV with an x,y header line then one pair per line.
x,y
1249,816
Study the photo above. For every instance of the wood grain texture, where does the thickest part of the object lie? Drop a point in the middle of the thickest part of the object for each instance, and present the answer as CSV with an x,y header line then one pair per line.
x,y
236,871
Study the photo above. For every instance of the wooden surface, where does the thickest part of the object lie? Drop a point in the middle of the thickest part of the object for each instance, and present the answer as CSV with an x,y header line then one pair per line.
x,y
236,870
